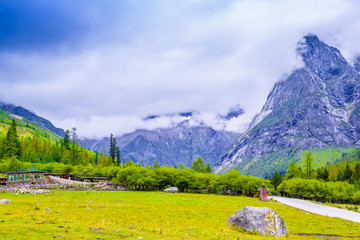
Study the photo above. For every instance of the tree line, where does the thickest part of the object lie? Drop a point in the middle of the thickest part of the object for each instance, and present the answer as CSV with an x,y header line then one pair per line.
x,y
67,156
336,182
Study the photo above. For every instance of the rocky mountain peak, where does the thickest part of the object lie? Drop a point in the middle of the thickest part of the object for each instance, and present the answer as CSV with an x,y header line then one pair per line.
x,y
321,59
316,106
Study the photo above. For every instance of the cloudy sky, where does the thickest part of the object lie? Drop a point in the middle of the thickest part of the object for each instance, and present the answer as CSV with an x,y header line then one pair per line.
x,y
103,66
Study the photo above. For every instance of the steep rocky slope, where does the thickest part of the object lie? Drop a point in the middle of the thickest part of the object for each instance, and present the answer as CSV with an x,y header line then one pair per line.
x,y
317,106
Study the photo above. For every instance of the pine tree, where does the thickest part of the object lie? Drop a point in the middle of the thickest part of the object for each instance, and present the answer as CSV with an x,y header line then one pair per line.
x,y
12,146
326,175
156,165
208,169
276,179
66,140
347,172
74,150
96,157
118,160
198,165
309,159
112,149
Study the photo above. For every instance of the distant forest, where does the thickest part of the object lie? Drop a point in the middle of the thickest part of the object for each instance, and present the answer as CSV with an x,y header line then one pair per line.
x,y
336,182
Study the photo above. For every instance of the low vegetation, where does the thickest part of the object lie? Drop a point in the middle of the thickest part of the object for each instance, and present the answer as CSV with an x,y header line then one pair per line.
x,y
149,215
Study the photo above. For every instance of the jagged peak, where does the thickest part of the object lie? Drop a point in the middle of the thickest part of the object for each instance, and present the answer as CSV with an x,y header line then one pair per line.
x,y
307,45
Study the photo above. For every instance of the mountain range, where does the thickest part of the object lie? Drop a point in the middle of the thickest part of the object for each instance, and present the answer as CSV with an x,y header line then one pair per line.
x,y
316,107
178,144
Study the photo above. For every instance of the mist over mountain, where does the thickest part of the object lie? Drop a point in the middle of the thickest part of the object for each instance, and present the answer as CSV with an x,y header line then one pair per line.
x,y
182,142
317,106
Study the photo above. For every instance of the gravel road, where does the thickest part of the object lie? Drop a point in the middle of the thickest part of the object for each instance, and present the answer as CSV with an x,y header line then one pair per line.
x,y
319,209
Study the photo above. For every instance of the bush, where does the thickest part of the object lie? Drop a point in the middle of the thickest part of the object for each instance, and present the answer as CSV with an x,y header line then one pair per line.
x,y
356,197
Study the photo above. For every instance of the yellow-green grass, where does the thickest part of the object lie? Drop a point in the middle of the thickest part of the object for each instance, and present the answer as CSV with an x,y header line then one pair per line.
x,y
147,215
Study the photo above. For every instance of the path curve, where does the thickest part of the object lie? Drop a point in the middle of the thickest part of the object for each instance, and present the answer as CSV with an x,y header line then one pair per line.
x,y
319,209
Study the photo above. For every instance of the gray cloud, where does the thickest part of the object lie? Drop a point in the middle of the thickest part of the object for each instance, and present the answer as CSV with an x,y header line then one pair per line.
x,y
137,59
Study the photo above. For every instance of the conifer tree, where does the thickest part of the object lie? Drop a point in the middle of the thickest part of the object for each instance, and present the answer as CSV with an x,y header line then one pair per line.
x,y
208,169
198,165
276,179
12,145
66,140
309,159
326,174
112,150
118,160
74,150
347,172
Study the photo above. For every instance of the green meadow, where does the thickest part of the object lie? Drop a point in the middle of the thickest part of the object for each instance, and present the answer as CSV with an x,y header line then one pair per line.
x,y
149,215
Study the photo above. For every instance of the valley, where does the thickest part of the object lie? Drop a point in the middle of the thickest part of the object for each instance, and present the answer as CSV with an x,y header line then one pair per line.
x,y
150,215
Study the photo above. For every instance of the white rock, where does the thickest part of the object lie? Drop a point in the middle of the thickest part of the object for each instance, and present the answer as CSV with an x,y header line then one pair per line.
x,y
5,201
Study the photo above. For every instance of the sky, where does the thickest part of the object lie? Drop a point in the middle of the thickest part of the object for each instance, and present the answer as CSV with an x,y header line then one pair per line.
x,y
104,66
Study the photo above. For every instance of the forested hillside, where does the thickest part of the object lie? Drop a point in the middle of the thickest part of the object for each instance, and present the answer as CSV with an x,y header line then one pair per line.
x,y
23,144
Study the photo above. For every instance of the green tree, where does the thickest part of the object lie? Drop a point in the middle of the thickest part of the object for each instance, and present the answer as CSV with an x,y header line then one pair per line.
x,y
293,171
112,149
12,146
109,161
14,164
347,173
66,140
198,165
74,150
208,169
309,159
118,160
276,179
156,165
357,168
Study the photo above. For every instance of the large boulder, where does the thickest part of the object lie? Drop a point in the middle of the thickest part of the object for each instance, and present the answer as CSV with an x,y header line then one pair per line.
x,y
260,219
5,201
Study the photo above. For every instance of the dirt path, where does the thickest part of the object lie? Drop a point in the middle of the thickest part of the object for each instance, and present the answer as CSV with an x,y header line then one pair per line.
x,y
319,209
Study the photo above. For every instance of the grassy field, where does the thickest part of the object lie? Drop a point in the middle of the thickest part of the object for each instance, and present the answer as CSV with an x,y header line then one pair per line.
x,y
147,215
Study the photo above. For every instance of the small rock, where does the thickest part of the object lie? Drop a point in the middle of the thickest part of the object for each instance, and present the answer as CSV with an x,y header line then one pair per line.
x,y
263,220
5,201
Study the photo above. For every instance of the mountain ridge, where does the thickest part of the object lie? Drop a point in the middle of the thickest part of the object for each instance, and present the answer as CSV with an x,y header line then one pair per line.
x,y
172,146
317,106
31,116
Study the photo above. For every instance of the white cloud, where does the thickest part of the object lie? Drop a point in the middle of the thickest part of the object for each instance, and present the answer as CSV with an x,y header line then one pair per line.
x,y
173,57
